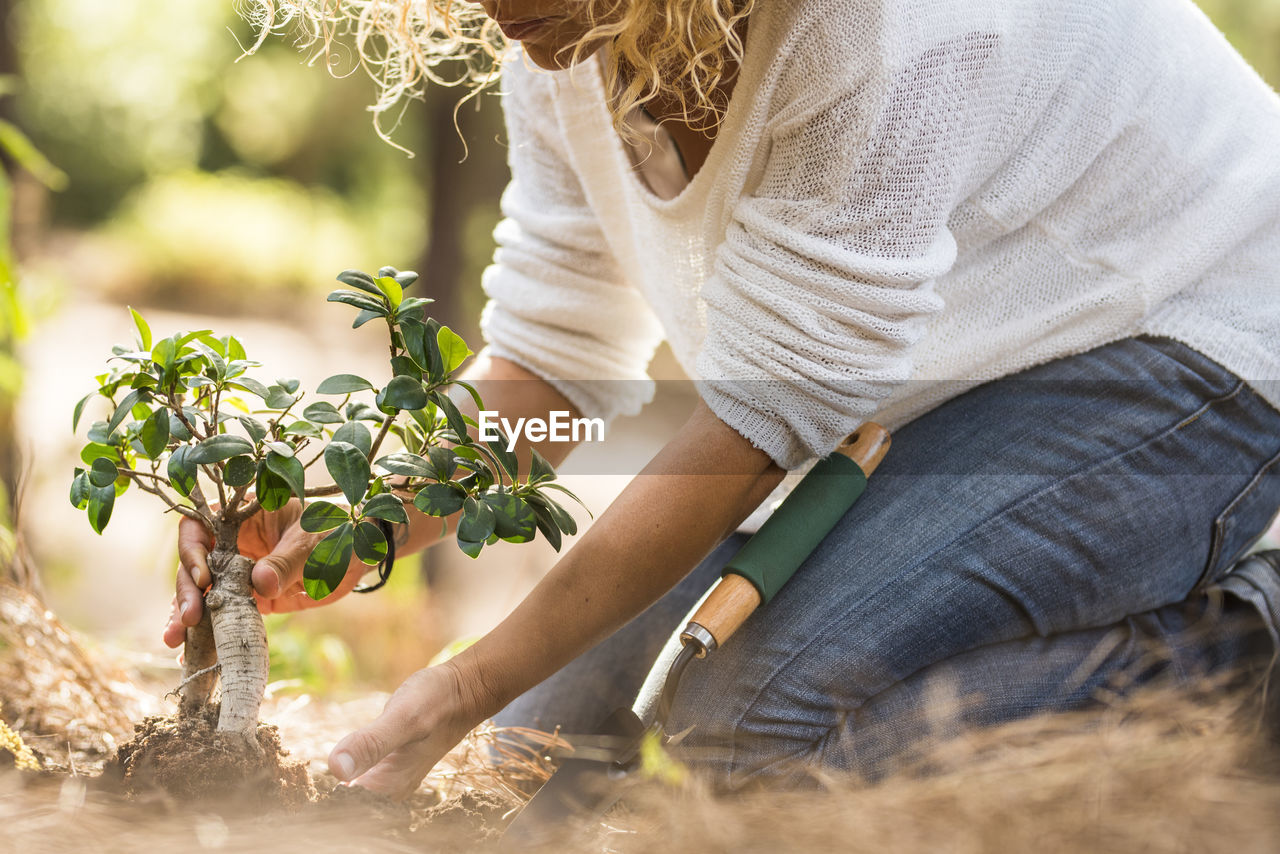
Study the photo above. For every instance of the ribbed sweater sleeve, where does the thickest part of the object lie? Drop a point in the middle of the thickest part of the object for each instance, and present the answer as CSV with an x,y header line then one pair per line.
x,y
824,282
558,305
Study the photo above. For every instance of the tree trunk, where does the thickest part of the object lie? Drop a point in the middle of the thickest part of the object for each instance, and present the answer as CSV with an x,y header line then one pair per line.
x,y
234,624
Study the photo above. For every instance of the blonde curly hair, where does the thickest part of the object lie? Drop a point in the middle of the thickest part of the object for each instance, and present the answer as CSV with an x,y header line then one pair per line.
x,y
681,50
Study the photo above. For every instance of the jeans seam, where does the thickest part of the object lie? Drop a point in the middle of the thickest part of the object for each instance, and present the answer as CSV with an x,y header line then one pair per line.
x,y
919,564
1219,527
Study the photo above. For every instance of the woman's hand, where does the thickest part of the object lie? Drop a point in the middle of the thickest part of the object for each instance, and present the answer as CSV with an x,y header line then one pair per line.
x,y
427,715
280,548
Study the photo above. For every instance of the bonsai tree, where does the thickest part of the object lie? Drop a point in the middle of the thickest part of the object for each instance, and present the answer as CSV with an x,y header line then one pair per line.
x,y
187,424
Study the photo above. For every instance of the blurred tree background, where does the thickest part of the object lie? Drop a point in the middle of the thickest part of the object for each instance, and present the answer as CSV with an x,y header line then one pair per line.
x,y
202,185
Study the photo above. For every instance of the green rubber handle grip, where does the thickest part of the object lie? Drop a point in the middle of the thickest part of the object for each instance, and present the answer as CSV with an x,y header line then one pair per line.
x,y
802,520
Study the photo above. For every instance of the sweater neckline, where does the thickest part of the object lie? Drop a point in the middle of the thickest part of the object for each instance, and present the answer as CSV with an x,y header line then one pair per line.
x,y
745,90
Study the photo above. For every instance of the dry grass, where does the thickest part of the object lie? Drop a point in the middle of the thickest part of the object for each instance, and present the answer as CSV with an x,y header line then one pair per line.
x,y
1159,772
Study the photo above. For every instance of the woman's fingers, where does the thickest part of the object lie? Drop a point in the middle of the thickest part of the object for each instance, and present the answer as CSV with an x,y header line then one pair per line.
x,y
174,630
194,542
400,773
398,724
191,579
423,719
281,568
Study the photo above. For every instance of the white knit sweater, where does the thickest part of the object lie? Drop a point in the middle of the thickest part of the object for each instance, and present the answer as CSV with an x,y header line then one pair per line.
x,y
905,199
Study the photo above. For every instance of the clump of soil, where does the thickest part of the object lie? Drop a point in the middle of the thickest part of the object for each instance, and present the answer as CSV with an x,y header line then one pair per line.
x,y
189,760
473,817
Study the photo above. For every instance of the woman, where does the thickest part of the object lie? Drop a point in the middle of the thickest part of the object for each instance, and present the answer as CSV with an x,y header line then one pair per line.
x,y
1039,240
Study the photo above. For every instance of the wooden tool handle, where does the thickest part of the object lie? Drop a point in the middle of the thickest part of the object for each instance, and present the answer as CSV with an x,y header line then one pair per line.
x,y
735,597
866,446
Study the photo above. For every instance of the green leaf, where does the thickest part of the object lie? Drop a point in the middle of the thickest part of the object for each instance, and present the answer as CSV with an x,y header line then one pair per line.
x,y
290,469
406,464
280,448
403,366
240,471
323,412
164,354
94,450
123,410
273,490
218,448
355,433
391,289
513,519
101,500
386,506
80,490
359,279
439,499
443,461
103,472
469,548
451,413
413,307
256,429
361,411
177,429
144,330
289,384
303,428
359,301
405,277
471,390
547,525
181,471
235,350
370,543
555,513
343,384
154,434
323,516
415,338
477,521
566,491
404,393
327,564
251,385
79,410
363,317
453,350
349,469
97,433
509,460
540,469
279,398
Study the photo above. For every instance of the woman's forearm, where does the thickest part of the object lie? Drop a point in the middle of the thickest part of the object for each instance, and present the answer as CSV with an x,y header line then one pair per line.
x,y
702,484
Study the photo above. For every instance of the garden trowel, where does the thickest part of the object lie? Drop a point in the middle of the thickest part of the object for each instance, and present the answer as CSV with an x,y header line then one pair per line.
x,y
595,773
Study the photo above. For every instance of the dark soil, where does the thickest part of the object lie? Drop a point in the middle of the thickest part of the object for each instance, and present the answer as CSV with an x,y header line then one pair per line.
x,y
189,760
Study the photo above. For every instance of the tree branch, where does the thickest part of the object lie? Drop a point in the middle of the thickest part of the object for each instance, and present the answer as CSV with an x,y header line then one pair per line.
x,y
163,496
382,434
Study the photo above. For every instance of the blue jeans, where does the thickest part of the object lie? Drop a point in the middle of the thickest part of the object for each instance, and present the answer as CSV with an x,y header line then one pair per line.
x,y
1026,545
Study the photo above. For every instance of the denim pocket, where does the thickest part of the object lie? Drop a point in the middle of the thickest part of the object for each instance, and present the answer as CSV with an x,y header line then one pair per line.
x,y
1243,521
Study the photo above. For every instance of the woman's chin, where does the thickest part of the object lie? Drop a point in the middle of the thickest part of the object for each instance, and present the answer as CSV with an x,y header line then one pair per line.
x,y
555,57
